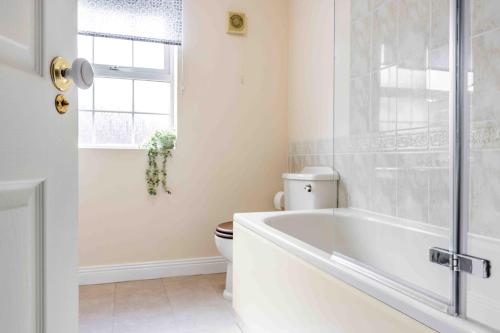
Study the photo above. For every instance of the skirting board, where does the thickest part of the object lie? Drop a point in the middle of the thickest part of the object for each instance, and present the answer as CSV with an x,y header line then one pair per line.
x,y
151,270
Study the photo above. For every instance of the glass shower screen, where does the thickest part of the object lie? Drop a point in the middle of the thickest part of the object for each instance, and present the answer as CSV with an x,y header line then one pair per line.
x,y
481,229
391,141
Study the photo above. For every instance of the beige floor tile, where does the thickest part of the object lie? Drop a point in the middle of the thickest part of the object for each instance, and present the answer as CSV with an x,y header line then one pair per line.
x,y
198,305
96,308
192,304
142,306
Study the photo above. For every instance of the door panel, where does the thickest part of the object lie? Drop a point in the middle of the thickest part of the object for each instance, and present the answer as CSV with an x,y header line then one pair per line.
x,y
21,34
38,149
21,255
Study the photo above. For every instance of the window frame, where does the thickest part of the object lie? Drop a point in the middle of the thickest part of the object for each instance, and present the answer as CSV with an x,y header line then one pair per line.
x,y
168,75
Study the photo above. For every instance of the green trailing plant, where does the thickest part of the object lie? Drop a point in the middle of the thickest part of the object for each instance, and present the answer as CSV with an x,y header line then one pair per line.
x,y
159,146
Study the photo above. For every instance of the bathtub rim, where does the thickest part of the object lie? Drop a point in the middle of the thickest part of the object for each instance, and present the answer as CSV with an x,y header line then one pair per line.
x,y
356,276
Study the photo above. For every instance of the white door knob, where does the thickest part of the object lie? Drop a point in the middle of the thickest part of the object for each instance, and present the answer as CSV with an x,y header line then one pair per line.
x,y
80,72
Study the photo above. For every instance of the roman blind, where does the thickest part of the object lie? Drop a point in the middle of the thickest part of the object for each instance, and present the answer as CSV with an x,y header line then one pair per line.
x,y
157,21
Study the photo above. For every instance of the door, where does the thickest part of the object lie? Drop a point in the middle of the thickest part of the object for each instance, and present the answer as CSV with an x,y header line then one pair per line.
x,y
38,171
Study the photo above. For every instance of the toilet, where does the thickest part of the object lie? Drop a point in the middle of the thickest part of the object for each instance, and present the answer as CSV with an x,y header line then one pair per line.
x,y
224,241
313,188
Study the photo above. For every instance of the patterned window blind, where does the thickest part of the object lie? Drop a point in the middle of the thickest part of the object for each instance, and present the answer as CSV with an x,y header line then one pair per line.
x,y
158,21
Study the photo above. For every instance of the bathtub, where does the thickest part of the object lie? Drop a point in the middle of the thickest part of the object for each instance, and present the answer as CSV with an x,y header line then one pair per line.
x,y
341,270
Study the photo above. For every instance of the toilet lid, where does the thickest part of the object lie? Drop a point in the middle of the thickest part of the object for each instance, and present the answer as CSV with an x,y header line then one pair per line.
x,y
225,228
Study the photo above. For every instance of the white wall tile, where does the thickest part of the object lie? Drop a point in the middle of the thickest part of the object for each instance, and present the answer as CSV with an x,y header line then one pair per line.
x,y
384,183
485,193
486,72
414,34
439,189
485,15
360,8
385,32
360,46
359,188
413,186
359,113
440,23
384,100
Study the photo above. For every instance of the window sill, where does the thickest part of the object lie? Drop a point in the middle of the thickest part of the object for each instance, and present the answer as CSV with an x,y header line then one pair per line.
x,y
105,147
113,147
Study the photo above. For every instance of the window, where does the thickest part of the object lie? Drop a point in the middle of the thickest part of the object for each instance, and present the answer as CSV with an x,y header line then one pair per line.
x,y
134,92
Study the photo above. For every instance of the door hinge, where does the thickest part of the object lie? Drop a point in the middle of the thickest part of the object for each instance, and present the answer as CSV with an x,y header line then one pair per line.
x,y
460,262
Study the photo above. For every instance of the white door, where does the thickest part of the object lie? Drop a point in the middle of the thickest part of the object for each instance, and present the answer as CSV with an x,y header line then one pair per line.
x,y
38,171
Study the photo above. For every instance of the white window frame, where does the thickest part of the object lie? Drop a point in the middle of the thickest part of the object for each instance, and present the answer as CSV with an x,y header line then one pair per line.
x,y
168,75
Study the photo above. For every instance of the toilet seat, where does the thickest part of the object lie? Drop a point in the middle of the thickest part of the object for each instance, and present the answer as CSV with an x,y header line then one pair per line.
x,y
225,236
222,235
225,230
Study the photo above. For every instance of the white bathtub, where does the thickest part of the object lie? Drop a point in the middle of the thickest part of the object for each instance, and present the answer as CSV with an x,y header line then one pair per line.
x,y
386,258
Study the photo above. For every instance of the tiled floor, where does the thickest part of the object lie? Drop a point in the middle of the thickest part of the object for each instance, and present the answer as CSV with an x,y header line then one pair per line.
x,y
192,304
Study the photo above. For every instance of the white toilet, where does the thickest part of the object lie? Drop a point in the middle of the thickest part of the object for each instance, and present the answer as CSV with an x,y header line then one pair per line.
x,y
224,242
313,188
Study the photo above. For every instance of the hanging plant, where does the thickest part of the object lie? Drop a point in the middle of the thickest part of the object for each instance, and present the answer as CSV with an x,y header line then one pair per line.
x,y
159,146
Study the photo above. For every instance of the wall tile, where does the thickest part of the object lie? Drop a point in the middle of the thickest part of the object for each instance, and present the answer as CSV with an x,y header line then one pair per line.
x,y
360,8
360,46
359,116
485,135
343,164
384,184
359,187
485,15
485,193
439,89
439,190
383,141
414,33
376,3
412,109
384,30
413,187
440,23
439,110
384,99
439,59
413,140
309,153
486,68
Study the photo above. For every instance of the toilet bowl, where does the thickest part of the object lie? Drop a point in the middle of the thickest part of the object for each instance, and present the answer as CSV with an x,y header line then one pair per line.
x,y
224,241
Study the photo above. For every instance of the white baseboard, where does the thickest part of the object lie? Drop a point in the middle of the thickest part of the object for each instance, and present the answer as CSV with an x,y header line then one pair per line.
x,y
151,270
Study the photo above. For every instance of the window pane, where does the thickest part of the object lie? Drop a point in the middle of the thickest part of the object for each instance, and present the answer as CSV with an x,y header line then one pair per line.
x,y
149,55
85,99
146,124
84,128
152,97
109,51
113,94
113,128
85,48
